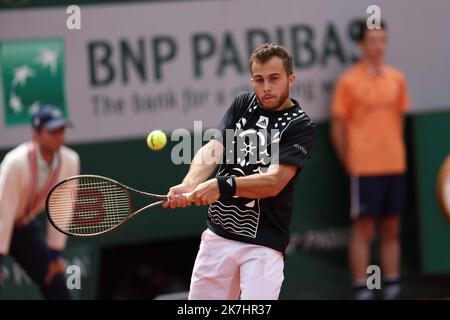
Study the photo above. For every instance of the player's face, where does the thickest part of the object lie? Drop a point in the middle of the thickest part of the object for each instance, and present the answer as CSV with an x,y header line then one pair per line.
x,y
51,140
374,45
271,84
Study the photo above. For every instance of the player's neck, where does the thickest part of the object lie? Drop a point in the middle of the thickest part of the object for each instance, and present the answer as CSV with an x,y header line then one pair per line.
x,y
373,62
46,154
286,104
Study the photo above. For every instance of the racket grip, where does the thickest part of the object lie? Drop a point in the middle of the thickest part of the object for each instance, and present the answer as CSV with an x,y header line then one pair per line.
x,y
188,196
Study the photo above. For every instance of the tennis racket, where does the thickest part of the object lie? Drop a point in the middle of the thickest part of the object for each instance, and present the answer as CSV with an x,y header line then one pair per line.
x,y
91,205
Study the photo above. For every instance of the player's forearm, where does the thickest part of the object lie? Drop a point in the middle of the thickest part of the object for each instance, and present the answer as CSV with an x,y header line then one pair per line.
x,y
204,164
341,150
258,186
338,138
198,174
6,231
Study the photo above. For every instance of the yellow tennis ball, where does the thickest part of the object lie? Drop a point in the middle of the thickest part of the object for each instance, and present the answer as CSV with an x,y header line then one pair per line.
x,y
156,140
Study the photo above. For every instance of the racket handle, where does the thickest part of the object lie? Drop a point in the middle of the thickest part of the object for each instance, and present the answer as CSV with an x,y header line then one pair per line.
x,y
186,194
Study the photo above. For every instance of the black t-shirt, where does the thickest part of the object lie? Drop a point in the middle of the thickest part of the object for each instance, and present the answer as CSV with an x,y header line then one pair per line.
x,y
255,139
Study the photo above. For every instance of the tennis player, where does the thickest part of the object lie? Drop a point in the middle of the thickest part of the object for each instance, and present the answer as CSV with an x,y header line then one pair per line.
x,y
250,202
26,175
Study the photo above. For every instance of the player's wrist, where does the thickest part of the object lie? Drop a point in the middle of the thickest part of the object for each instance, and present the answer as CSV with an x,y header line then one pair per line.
x,y
227,185
54,254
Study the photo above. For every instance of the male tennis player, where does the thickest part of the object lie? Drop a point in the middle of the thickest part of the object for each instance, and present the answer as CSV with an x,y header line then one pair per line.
x,y
242,250
26,175
367,130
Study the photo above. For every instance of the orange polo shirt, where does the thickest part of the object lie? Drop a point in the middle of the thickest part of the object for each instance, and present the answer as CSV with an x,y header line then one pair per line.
x,y
371,102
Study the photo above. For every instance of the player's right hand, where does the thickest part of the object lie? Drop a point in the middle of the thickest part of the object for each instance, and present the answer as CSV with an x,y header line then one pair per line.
x,y
176,196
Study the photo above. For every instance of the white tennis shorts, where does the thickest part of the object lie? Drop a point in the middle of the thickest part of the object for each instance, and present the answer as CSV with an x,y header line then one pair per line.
x,y
228,269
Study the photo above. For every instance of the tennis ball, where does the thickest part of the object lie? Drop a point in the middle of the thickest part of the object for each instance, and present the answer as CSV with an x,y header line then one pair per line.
x,y
156,140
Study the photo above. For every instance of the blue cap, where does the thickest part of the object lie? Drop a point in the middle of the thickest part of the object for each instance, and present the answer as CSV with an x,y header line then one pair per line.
x,y
49,117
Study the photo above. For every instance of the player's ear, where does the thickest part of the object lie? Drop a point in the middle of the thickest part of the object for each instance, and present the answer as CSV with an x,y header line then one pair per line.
x,y
291,79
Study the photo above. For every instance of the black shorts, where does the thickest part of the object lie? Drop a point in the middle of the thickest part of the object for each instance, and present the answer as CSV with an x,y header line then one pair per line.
x,y
377,196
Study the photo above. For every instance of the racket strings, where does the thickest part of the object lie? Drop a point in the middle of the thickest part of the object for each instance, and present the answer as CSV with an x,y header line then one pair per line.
x,y
88,205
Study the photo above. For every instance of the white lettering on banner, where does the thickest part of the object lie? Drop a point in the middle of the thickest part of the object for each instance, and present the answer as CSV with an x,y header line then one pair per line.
x,y
310,240
20,276
169,66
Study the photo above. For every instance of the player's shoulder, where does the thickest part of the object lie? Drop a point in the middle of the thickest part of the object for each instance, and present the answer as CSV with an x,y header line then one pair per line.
x,y
302,122
299,116
70,154
17,156
15,161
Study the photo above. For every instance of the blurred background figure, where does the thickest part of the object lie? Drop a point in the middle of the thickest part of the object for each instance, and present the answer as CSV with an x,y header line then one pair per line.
x,y
26,175
369,102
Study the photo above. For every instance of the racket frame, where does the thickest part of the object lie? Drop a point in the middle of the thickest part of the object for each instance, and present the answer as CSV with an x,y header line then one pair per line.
x,y
127,189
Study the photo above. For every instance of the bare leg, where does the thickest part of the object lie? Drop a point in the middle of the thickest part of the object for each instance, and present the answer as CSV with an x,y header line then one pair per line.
x,y
359,254
390,255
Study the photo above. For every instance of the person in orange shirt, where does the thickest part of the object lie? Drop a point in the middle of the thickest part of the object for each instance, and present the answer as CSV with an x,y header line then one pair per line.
x,y
369,102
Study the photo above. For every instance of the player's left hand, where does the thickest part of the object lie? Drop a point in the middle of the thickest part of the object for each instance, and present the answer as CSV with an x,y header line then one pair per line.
x,y
55,267
205,193
176,196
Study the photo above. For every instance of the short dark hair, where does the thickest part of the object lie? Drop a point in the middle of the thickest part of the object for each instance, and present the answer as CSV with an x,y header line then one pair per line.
x,y
265,52
363,29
